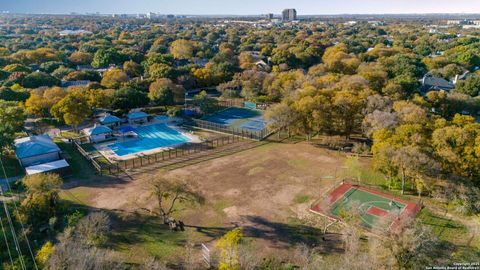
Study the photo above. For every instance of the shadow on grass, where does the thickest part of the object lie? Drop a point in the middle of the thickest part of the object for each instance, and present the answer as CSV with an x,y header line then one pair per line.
x,y
289,235
95,182
280,235
139,236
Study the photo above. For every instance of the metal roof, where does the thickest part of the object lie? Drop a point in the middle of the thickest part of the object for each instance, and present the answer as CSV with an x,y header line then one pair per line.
x,y
47,167
97,130
35,146
137,115
109,119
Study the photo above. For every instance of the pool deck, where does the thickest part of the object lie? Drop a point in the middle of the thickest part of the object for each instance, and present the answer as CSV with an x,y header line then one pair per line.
x,y
109,154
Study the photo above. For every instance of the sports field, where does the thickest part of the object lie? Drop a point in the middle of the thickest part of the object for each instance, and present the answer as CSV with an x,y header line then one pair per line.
x,y
374,209
240,118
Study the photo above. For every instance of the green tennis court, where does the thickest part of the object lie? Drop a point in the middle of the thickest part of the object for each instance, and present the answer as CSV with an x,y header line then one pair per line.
x,y
239,118
374,209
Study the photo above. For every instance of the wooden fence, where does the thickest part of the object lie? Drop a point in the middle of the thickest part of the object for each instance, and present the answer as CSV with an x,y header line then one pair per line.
x,y
170,154
94,163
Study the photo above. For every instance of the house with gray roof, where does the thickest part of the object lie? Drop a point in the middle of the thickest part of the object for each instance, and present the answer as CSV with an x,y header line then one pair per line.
x,y
66,84
35,150
433,83
98,133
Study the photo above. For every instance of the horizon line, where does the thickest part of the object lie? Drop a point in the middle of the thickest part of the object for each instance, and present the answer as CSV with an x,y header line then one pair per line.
x,y
73,13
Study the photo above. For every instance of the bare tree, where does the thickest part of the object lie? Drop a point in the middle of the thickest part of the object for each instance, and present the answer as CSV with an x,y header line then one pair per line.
x,y
413,163
72,255
408,244
248,258
189,256
93,229
153,264
168,191
379,120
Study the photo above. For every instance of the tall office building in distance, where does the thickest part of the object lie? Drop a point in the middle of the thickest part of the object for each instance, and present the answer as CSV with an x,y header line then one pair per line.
x,y
289,15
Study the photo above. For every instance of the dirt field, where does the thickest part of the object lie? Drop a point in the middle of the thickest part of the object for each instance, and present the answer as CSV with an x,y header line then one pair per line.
x,y
267,190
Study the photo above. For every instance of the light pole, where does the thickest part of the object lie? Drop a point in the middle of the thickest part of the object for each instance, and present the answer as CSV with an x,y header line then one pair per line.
x,y
185,103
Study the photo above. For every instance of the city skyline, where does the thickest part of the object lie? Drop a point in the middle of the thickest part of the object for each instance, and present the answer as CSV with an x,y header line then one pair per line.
x,y
246,7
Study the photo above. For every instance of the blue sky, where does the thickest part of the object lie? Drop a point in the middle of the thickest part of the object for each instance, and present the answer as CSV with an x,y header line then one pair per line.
x,y
242,7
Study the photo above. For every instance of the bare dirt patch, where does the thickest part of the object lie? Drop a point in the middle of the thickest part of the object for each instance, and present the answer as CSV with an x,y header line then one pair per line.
x,y
256,189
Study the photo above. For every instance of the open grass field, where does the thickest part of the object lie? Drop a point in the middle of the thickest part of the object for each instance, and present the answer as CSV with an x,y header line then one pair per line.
x,y
268,190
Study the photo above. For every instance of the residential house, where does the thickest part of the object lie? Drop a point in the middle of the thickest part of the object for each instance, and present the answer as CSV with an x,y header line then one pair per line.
x,y
84,67
262,66
201,62
66,84
432,83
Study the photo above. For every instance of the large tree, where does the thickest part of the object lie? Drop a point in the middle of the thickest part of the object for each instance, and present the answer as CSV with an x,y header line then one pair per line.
x,y
106,57
182,49
165,92
37,79
114,78
205,103
405,246
458,145
168,191
72,109
469,86
129,98
12,119
42,201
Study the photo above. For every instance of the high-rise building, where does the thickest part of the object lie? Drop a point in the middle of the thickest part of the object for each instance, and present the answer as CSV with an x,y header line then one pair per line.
x,y
269,16
289,15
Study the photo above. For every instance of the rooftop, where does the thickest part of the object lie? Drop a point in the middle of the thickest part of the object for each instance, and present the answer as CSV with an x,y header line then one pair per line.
x,y
97,130
35,146
136,115
109,119
47,167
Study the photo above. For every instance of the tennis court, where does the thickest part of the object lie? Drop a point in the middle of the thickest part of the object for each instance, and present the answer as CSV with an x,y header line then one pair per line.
x,y
374,209
240,118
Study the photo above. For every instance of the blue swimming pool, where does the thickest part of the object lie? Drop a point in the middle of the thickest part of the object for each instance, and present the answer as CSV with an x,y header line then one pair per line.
x,y
150,137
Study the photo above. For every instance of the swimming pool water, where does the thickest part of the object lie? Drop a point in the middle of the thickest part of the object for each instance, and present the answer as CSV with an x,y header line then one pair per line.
x,y
150,137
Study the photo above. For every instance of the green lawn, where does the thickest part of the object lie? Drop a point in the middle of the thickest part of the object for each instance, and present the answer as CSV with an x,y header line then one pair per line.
x,y
148,237
81,168
69,134
12,166
88,147
462,245
302,198
445,228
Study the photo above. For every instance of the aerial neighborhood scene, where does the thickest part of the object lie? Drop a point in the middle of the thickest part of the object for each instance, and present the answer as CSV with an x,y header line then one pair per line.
x,y
239,135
